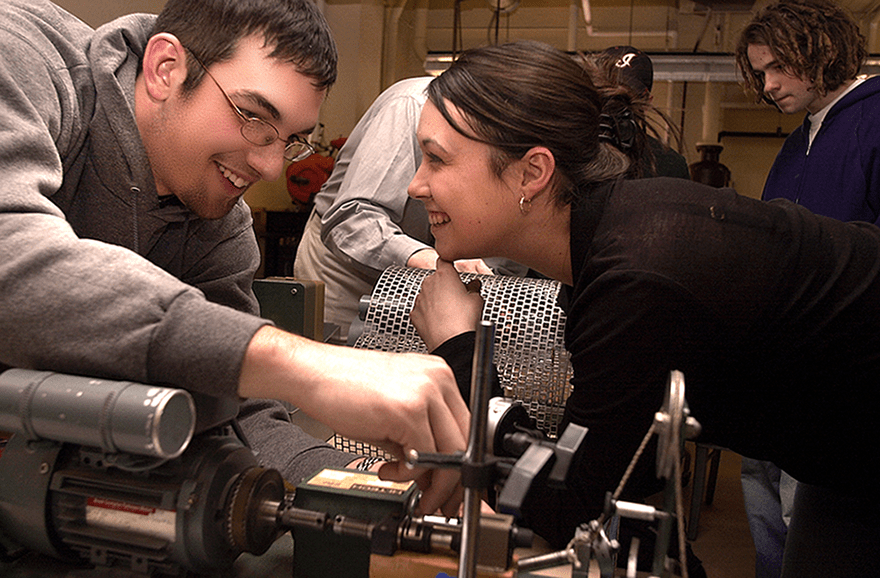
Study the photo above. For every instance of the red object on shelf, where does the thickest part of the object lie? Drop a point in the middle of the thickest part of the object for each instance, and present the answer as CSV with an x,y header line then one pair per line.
x,y
305,177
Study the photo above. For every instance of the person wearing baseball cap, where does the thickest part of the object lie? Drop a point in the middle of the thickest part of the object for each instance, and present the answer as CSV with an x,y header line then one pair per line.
x,y
636,71
636,68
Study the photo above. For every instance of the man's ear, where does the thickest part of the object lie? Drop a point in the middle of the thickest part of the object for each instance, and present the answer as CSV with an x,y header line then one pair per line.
x,y
164,67
538,166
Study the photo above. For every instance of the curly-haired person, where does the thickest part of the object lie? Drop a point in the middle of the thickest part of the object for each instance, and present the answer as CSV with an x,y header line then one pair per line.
x,y
806,56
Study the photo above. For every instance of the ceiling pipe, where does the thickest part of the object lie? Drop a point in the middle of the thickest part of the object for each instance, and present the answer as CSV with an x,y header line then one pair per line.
x,y
573,10
711,113
420,25
393,14
872,29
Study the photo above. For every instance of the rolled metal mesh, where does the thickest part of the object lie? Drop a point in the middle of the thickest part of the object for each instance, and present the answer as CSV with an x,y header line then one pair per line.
x,y
533,364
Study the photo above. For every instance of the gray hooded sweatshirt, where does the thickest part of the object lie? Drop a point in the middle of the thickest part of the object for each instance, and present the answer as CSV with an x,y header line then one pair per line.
x,y
98,276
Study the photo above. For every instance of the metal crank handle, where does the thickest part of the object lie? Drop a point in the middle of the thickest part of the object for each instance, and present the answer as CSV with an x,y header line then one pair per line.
x,y
417,459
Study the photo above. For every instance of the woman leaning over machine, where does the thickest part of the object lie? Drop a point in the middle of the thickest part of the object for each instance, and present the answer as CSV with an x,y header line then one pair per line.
x,y
772,313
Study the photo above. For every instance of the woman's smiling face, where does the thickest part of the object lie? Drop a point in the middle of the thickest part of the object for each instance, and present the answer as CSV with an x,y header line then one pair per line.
x,y
473,212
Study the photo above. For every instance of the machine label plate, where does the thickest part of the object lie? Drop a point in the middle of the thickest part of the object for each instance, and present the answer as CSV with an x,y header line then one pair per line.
x,y
362,481
123,516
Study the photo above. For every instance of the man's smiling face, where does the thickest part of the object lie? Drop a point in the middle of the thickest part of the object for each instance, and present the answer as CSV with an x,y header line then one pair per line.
x,y
195,145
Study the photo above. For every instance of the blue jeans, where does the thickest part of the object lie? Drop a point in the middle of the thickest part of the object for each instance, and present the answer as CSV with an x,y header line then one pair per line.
x,y
768,493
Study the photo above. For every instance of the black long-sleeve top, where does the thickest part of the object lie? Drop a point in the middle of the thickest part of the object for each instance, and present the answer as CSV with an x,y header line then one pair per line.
x,y
772,314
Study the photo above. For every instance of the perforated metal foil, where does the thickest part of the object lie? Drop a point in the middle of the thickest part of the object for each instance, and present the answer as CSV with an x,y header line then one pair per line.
x,y
533,365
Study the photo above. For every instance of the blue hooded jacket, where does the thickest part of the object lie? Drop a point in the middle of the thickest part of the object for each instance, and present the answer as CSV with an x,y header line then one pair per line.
x,y
840,177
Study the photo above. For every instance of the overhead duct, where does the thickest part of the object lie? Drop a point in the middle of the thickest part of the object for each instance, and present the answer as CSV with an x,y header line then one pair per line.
x,y
723,5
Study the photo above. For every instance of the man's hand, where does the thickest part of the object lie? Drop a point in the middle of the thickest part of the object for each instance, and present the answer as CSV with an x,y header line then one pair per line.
x,y
446,307
395,401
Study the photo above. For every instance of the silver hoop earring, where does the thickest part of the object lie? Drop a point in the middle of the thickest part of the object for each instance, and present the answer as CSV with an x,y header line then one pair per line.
x,y
525,205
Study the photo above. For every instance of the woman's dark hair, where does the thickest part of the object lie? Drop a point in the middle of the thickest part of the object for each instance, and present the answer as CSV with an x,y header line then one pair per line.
x,y
606,71
295,30
524,94
813,40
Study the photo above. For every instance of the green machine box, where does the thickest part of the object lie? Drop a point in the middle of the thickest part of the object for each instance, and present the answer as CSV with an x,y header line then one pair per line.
x,y
354,494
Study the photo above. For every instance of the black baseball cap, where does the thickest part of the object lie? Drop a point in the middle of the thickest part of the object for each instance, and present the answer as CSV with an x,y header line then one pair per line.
x,y
636,69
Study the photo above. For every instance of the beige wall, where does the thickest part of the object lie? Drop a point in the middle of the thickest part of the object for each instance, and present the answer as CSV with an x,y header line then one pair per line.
x,y
97,12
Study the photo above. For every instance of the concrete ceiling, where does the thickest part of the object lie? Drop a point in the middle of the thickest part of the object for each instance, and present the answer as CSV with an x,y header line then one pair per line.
x,y
861,7
705,32
858,8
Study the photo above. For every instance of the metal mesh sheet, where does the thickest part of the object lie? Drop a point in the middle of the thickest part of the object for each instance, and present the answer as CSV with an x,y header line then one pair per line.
x,y
533,364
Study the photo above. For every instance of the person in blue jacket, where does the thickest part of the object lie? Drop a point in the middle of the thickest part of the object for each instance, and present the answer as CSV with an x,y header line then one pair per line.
x,y
831,163
806,57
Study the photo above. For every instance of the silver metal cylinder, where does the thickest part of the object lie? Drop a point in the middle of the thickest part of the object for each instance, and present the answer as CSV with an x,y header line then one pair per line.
x,y
637,511
115,416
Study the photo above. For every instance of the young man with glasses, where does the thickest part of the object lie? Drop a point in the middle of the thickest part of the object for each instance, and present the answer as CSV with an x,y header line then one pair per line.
x,y
128,251
261,133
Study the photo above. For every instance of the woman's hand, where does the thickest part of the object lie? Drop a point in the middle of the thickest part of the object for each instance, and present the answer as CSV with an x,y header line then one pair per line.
x,y
473,266
427,259
446,307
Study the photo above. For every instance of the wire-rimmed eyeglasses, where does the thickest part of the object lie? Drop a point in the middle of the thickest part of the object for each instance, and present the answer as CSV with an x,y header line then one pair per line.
x,y
259,132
